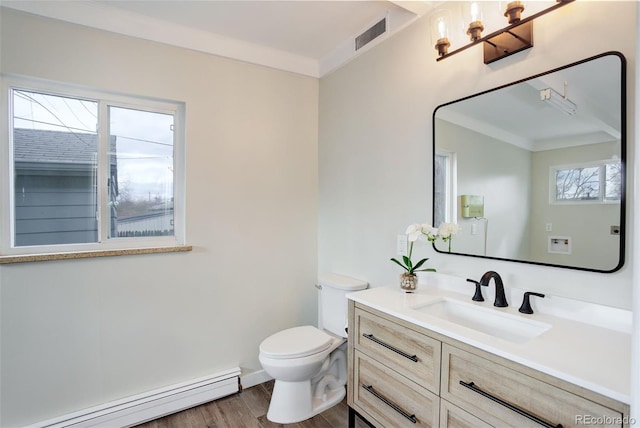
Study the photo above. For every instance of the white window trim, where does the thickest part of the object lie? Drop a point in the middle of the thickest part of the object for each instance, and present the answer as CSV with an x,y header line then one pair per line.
x,y
176,108
599,201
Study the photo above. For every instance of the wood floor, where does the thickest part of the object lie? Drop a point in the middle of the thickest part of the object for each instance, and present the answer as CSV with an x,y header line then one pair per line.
x,y
248,409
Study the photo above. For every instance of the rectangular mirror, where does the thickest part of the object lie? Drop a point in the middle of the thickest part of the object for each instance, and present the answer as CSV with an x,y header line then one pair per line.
x,y
534,171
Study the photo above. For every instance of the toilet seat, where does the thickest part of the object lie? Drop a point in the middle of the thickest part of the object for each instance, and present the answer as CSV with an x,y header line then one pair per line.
x,y
295,342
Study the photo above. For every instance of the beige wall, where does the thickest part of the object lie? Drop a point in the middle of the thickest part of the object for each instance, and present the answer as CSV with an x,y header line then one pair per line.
x,y
501,174
375,146
79,333
573,219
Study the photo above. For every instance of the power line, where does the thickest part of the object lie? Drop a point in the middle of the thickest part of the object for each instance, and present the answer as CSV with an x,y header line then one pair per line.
x,y
124,137
24,95
74,113
54,124
63,125
144,141
87,108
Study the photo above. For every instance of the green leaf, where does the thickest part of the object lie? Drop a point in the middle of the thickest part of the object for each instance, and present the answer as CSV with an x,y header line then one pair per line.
x,y
407,262
426,270
400,264
420,263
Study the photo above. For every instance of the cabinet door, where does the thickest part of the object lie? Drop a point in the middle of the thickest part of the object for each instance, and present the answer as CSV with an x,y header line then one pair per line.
x,y
390,400
505,397
454,417
406,351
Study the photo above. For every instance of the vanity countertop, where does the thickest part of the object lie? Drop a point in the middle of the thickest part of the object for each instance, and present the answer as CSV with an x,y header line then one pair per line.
x,y
587,355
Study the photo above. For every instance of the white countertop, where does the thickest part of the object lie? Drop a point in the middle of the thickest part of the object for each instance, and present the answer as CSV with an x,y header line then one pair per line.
x,y
588,355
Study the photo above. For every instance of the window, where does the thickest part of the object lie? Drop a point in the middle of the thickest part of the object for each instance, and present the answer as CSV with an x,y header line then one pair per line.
x,y
444,185
90,171
597,182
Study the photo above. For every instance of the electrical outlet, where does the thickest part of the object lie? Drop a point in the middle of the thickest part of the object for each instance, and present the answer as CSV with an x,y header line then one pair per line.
x,y
548,227
401,244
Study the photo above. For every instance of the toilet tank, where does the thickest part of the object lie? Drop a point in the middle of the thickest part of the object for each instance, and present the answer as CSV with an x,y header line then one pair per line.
x,y
332,301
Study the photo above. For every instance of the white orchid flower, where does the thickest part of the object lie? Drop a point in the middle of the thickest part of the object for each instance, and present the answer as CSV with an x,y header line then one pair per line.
x,y
446,230
430,232
413,232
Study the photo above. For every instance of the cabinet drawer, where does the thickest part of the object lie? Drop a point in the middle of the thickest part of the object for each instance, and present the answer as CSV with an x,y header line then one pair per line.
x,y
390,399
454,417
406,351
505,397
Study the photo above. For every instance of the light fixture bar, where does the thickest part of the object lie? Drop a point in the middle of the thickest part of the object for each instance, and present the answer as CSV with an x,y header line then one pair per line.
x,y
558,101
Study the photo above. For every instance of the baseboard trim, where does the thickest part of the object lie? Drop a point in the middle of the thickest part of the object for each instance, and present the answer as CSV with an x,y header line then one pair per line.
x,y
151,405
254,378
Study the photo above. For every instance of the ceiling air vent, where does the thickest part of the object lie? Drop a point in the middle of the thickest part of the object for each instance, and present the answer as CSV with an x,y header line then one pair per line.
x,y
377,30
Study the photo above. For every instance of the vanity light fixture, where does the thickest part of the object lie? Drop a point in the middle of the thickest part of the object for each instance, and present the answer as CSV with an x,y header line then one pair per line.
x,y
514,11
515,37
440,31
559,101
475,26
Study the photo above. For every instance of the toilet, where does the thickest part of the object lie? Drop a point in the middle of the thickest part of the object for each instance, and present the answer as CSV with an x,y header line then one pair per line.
x,y
309,364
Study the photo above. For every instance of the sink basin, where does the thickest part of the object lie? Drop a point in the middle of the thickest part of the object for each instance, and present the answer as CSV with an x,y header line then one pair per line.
x,y
505,326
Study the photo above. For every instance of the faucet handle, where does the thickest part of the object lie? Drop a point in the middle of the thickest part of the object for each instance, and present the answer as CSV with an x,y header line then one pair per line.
x,y
525,308
477,297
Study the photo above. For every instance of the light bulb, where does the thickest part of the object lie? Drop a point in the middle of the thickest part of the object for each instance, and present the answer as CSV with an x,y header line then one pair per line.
x,y
442,28
440,23
475,25
475,12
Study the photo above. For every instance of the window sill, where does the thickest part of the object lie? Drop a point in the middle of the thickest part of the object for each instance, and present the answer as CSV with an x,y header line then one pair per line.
x,y
90,254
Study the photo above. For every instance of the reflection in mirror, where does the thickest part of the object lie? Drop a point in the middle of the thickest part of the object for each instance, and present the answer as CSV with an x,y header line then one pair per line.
x,y
533,171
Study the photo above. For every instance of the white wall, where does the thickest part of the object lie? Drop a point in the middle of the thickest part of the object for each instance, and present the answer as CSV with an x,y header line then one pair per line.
x,y
375,146
82,332
635,350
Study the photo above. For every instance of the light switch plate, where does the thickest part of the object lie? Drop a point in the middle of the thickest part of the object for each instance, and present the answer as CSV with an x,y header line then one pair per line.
x,y
401,244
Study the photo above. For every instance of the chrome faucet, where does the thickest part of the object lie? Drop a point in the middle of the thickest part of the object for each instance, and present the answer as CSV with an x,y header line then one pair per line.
x,y
501,300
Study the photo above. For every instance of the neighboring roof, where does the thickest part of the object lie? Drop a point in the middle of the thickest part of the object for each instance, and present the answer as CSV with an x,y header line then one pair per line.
x,y
34,145
42,146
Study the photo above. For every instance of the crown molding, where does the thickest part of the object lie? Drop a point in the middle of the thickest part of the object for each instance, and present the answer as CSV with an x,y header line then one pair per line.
x,y
96,15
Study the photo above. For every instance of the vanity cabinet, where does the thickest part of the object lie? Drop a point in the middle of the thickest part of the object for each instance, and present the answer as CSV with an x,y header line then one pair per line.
x,y
404,375
454,417
395,372
503,396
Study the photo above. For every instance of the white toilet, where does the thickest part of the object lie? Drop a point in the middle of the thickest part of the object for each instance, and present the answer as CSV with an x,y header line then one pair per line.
x,y
309,364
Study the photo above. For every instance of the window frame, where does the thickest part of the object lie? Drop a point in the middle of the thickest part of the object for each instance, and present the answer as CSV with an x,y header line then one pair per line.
x,y
104,100
600,200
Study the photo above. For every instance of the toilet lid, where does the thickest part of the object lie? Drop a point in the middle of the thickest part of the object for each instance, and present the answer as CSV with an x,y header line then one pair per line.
x,y
295,342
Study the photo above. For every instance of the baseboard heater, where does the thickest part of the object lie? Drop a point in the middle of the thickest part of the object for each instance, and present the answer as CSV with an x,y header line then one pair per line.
x,y
151,405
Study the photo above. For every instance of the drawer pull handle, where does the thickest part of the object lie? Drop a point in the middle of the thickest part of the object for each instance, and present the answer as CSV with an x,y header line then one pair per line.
x,y
394,406
413,358
509,406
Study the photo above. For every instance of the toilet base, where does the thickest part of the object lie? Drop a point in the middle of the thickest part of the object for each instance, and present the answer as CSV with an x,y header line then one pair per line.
x,y
293,402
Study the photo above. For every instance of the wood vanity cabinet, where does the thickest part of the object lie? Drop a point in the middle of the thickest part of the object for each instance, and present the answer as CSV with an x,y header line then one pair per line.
x,y
395,372
403,375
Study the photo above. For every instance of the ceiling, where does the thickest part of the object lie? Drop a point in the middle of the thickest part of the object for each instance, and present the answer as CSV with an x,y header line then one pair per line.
x,y
517,115
304,36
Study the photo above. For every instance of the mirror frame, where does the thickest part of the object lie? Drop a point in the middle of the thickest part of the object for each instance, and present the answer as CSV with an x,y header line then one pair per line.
x,y
623,161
